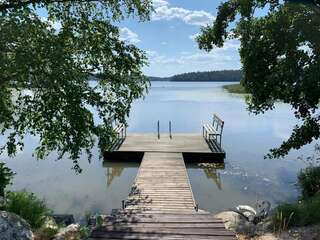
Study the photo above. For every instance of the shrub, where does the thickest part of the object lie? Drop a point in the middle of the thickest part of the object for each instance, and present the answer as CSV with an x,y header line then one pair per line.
x,y
302,213
235,88
45,233
85,232
285,215
309,181
28,206
6,176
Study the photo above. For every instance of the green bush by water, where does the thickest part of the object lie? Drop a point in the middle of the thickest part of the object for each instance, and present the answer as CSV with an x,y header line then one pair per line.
x,y
235,88
28,206
309,181
302,213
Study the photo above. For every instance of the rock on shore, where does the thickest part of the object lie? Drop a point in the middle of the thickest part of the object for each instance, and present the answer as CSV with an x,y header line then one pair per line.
x,y
13,227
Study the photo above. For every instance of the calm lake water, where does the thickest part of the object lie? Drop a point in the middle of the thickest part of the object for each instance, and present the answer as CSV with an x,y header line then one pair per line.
x,y
245,178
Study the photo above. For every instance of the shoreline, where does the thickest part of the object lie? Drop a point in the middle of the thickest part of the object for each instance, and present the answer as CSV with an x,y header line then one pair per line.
x,y
235,88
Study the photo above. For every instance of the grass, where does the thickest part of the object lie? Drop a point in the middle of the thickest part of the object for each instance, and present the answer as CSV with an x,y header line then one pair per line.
x,y
235,88
301,213
28,206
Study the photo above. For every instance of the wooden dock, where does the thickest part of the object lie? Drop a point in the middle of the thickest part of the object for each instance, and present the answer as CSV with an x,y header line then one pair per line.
x,y
193,147
161,204
162,184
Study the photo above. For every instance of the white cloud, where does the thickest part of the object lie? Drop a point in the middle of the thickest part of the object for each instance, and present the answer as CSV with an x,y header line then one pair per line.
x,y
127,35
160,3
194,36
163,11
151,53
199,18
305,47
219,58
55,25
231,44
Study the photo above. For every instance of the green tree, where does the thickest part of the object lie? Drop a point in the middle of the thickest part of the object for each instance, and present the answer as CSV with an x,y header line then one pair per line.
x,y
280,55
44,87
6,177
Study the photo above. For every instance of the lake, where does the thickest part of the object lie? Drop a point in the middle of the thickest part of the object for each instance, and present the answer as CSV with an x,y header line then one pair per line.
x,y
245,178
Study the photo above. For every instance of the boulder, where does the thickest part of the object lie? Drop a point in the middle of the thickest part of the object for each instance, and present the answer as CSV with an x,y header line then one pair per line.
x,y
237,222
50,223
240,224
63,219
71,232
247,211
13,227
231,219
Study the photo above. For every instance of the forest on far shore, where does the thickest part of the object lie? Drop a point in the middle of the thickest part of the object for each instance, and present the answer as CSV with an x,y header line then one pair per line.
x,y
209,76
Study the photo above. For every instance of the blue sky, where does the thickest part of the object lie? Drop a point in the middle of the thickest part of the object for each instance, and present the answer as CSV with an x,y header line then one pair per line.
x,y
169,42
168,38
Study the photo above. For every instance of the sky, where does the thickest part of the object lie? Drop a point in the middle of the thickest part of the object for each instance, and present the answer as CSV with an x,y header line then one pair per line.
x,y
168,38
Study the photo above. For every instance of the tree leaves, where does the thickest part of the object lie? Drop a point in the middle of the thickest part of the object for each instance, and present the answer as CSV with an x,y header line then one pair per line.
x,y
280,56
45,88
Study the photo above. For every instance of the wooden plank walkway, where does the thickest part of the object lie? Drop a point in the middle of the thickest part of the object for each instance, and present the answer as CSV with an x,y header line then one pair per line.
x,y
166,226
161,206
162,184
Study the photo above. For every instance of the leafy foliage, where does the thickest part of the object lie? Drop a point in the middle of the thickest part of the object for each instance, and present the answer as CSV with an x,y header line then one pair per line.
x,y
6,176
280,53
28,206
309,181
44,68
305,212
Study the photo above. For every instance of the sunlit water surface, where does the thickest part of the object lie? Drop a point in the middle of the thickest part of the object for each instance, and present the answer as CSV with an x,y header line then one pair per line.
x,y
245,178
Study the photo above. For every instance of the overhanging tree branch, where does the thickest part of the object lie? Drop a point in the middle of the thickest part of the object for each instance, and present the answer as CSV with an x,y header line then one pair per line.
x,y
55,101
19,4
279,55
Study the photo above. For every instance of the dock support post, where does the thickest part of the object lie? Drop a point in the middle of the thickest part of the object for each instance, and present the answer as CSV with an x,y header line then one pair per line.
x,y
158,129
170,133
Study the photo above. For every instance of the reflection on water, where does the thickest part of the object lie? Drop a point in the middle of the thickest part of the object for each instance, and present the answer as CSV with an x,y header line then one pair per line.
x,y
245,178
114,169
211,171
98,189
220,187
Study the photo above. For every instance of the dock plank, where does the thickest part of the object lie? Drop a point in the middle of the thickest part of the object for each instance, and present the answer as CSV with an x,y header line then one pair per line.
x,y
179,143
162,183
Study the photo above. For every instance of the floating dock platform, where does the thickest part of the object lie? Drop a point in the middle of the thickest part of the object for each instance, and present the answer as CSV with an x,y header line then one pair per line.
x,y
194,148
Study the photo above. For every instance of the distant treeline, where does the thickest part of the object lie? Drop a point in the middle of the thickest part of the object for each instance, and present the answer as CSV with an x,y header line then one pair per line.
x,y
210,76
